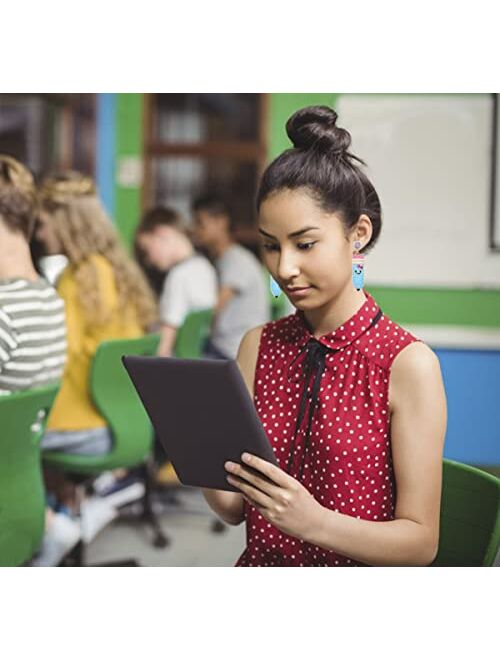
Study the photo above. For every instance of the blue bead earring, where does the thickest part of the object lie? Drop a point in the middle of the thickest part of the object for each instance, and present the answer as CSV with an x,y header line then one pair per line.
x,y
358,267
274,286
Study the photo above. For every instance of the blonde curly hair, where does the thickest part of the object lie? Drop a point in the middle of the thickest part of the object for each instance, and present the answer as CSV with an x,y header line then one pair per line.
x,y
83,229
18,200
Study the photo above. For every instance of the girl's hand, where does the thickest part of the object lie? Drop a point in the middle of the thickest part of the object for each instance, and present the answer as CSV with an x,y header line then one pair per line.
x,y
277,496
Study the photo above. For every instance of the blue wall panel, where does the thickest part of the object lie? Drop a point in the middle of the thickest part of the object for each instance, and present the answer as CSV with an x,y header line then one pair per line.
x,y
472,383
105,161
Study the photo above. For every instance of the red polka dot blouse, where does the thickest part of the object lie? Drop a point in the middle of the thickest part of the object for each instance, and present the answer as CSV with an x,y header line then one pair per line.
x,y
341,449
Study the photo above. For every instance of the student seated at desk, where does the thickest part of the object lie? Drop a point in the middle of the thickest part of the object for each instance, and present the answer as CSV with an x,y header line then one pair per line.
x,y
191,282
243,300
32,321
106,297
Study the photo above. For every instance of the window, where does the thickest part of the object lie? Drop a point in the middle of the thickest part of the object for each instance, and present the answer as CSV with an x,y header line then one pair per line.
x,y
49,132
197,143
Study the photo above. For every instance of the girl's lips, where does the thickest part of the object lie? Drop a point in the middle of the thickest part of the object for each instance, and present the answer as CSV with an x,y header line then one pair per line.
x,y
299,292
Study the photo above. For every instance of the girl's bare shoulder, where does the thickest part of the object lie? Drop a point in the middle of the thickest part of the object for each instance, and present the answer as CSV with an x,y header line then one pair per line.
x,y
248,353
415,369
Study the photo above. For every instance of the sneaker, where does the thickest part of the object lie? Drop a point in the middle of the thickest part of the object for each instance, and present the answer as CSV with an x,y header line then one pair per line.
x,y
127,493
96,513
61,535
104,482
107,483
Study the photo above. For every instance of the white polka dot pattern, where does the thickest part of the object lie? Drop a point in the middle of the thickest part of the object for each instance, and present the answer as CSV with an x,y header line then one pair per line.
x,y
347,466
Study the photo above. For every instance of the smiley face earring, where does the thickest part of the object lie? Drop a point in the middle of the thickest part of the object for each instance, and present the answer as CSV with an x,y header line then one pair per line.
x,y
274,286
358,267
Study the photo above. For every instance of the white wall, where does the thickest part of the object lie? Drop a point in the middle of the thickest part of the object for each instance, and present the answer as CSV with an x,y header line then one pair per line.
x,y
429,159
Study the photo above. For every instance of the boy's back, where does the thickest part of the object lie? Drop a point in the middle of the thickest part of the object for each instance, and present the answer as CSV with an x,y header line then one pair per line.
x,y
240,270
32,334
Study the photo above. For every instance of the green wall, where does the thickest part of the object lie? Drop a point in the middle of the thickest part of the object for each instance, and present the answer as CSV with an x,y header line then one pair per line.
x,y
415,305
129,145
282,106
439,306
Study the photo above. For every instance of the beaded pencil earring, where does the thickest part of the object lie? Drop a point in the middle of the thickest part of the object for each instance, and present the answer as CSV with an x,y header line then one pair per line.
x,y
358,267
274,286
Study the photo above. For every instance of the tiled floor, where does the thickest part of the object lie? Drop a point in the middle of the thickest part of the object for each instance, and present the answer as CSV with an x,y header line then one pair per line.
x,y
188,524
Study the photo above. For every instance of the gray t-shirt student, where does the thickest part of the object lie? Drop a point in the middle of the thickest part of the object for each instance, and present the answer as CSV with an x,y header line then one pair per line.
x,y
190,285
240,270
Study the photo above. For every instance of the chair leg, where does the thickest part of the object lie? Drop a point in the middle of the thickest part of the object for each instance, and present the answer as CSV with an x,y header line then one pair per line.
x,y
160,539
76,556
218,526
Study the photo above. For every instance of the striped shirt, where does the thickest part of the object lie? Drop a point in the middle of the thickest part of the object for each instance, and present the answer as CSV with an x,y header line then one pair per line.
x,y
32,335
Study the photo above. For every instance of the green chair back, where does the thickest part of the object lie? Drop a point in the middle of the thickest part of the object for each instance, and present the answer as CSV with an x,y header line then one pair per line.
x,y
470,517
116,400
192,333
22,494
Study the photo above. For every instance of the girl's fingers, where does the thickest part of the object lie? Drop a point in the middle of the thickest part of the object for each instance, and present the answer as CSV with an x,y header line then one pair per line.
x,y
259,508
259,498
256,479
272,472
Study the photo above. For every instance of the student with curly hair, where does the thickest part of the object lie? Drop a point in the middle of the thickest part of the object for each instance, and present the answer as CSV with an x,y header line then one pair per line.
x,y
106,297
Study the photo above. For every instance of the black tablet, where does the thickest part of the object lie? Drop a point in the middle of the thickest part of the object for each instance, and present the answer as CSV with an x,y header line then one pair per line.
x,y
202,413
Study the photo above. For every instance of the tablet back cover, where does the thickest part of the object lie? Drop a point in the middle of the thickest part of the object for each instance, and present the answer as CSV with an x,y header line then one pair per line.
x,y
202,413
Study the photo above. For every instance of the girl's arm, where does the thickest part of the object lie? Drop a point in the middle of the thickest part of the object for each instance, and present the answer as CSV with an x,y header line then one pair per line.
x,y
228,505
418,427
168,335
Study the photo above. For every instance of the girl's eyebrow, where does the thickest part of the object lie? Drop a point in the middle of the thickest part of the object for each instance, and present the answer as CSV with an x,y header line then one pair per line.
x,y
292,235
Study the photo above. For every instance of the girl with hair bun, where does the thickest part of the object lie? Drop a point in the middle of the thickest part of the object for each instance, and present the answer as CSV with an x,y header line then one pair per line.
x,y
352,403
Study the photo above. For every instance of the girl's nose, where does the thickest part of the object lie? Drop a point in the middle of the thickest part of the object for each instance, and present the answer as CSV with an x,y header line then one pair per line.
x,y
287,268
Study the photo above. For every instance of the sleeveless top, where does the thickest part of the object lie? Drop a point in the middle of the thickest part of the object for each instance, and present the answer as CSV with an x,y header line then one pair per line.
x,y
341,450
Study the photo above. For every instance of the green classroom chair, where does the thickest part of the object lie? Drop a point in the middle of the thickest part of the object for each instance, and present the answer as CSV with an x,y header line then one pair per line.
x,y
192,334
116,400
470,517
22,494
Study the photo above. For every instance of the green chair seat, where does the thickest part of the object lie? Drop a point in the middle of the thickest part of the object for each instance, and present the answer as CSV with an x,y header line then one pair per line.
x,y
22,493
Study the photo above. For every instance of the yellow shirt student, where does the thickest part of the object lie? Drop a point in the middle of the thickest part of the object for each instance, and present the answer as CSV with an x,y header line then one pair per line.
x,y
73,409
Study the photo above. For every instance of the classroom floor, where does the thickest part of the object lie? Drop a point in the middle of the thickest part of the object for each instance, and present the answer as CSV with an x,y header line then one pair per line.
x,y
188,524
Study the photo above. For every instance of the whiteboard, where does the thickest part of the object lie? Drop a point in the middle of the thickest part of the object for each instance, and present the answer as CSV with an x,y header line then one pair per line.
x,y
429,157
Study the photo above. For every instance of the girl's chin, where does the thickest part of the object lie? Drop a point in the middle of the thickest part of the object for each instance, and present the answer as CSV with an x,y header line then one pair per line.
x,y
303,303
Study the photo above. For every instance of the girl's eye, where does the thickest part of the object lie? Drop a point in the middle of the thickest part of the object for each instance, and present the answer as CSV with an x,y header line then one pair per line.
x,y
302,246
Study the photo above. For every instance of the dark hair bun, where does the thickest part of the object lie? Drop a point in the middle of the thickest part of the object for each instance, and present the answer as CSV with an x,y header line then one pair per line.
x,y
314,128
